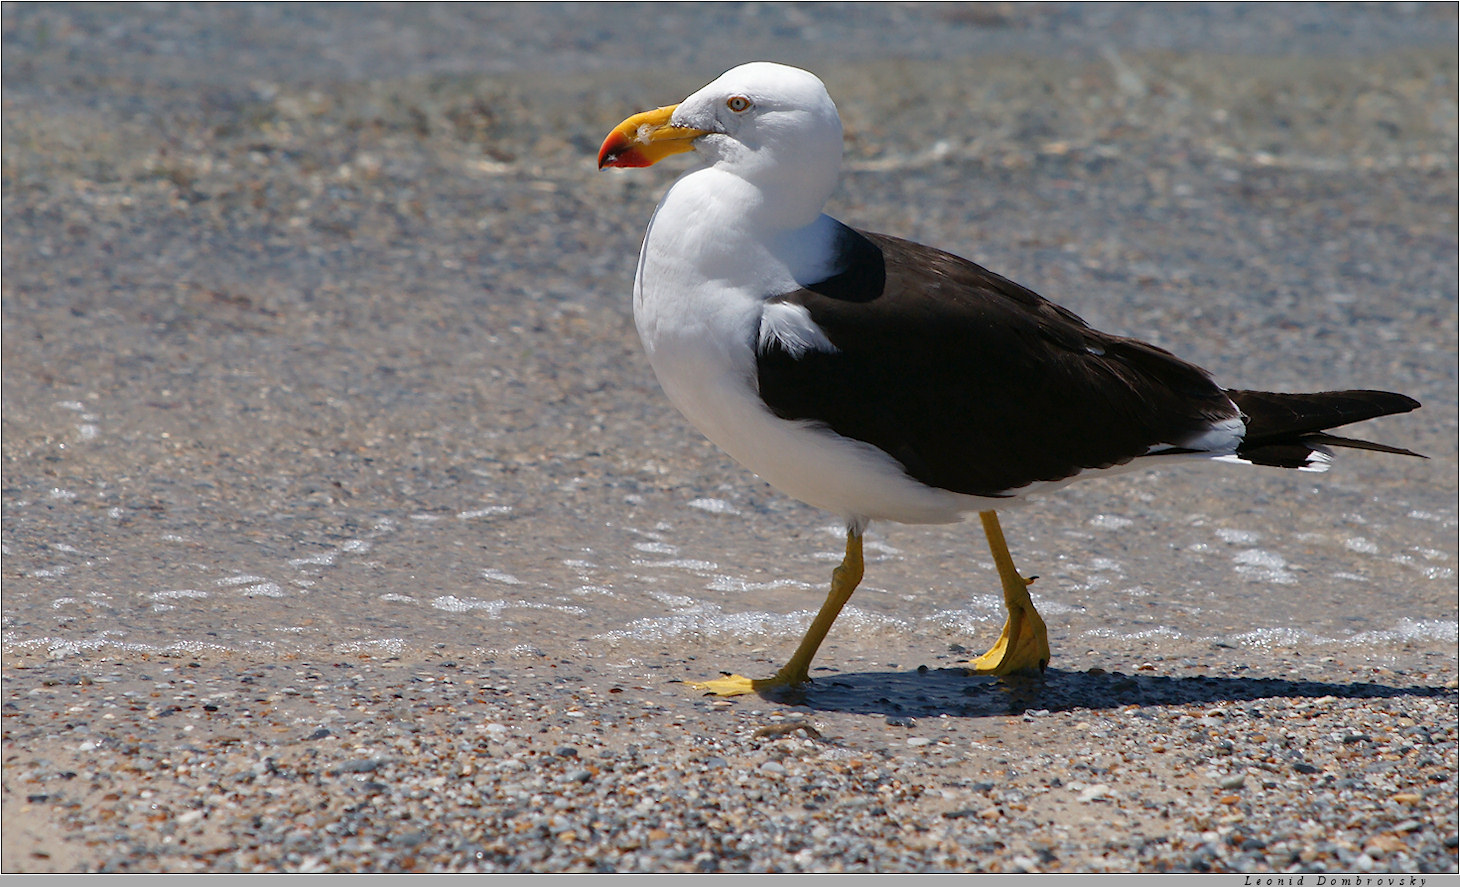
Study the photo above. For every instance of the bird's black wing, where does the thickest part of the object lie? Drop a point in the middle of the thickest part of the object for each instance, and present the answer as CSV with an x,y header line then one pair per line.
x,y
974,383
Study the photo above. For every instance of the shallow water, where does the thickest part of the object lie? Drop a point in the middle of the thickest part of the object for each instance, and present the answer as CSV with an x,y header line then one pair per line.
x,y
725,580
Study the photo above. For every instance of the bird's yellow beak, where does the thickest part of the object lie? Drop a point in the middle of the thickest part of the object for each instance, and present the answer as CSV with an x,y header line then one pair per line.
x,y
645,139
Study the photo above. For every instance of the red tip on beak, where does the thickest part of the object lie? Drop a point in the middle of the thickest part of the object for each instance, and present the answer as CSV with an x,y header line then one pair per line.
x,y
619,150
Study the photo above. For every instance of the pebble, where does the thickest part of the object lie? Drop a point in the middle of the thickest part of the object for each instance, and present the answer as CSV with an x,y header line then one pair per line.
x,y
601,795
1094,793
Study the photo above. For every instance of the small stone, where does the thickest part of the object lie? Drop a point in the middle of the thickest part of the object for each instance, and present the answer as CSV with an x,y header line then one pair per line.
x,y
188,817
1094,793
1383,845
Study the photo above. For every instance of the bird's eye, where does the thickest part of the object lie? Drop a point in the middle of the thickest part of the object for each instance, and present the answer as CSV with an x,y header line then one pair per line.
x,y
738,103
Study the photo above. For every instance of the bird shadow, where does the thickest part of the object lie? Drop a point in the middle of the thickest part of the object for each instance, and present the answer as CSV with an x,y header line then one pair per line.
x,y
955,693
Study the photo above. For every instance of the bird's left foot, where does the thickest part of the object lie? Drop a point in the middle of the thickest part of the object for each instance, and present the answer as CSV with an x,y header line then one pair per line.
x,y
739,685
1023,646
797,670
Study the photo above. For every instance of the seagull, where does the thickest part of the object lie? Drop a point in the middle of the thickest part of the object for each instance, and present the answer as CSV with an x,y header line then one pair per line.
x,y
880,379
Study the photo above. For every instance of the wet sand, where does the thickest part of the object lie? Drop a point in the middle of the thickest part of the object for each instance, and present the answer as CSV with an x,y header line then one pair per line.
x,y
346,528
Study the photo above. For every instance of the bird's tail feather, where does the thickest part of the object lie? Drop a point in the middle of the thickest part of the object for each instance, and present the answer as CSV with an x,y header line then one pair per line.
x,y
1290,430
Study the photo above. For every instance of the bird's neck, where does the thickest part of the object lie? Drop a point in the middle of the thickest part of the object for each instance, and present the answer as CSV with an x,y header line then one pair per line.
x,y
726,228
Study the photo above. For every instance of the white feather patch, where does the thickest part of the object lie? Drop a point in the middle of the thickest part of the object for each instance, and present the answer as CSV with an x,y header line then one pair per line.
x,y
791,327
1220,437
1318,461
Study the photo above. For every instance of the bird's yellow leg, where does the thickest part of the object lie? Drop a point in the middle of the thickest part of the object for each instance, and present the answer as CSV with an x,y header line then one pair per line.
x,y
844,580
1024,644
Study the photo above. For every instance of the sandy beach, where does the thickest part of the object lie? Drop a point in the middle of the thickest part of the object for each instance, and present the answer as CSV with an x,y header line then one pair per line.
x,y
347,530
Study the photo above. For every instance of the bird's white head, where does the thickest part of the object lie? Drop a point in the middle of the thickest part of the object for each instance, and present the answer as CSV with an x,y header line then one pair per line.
x,y
773,126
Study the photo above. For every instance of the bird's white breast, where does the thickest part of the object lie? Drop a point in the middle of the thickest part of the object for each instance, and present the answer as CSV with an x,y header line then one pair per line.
x,y
699,305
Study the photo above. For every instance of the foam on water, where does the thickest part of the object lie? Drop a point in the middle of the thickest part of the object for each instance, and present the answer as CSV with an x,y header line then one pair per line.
x,y
1144,634
714,623
160,597
86,428
731,583
323,559
690,564
1237,537
1406,630
453,604
1258,565
682,603
714,506
240,580
62,648
489,511
491,574
1410,630
381,646
1361,545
